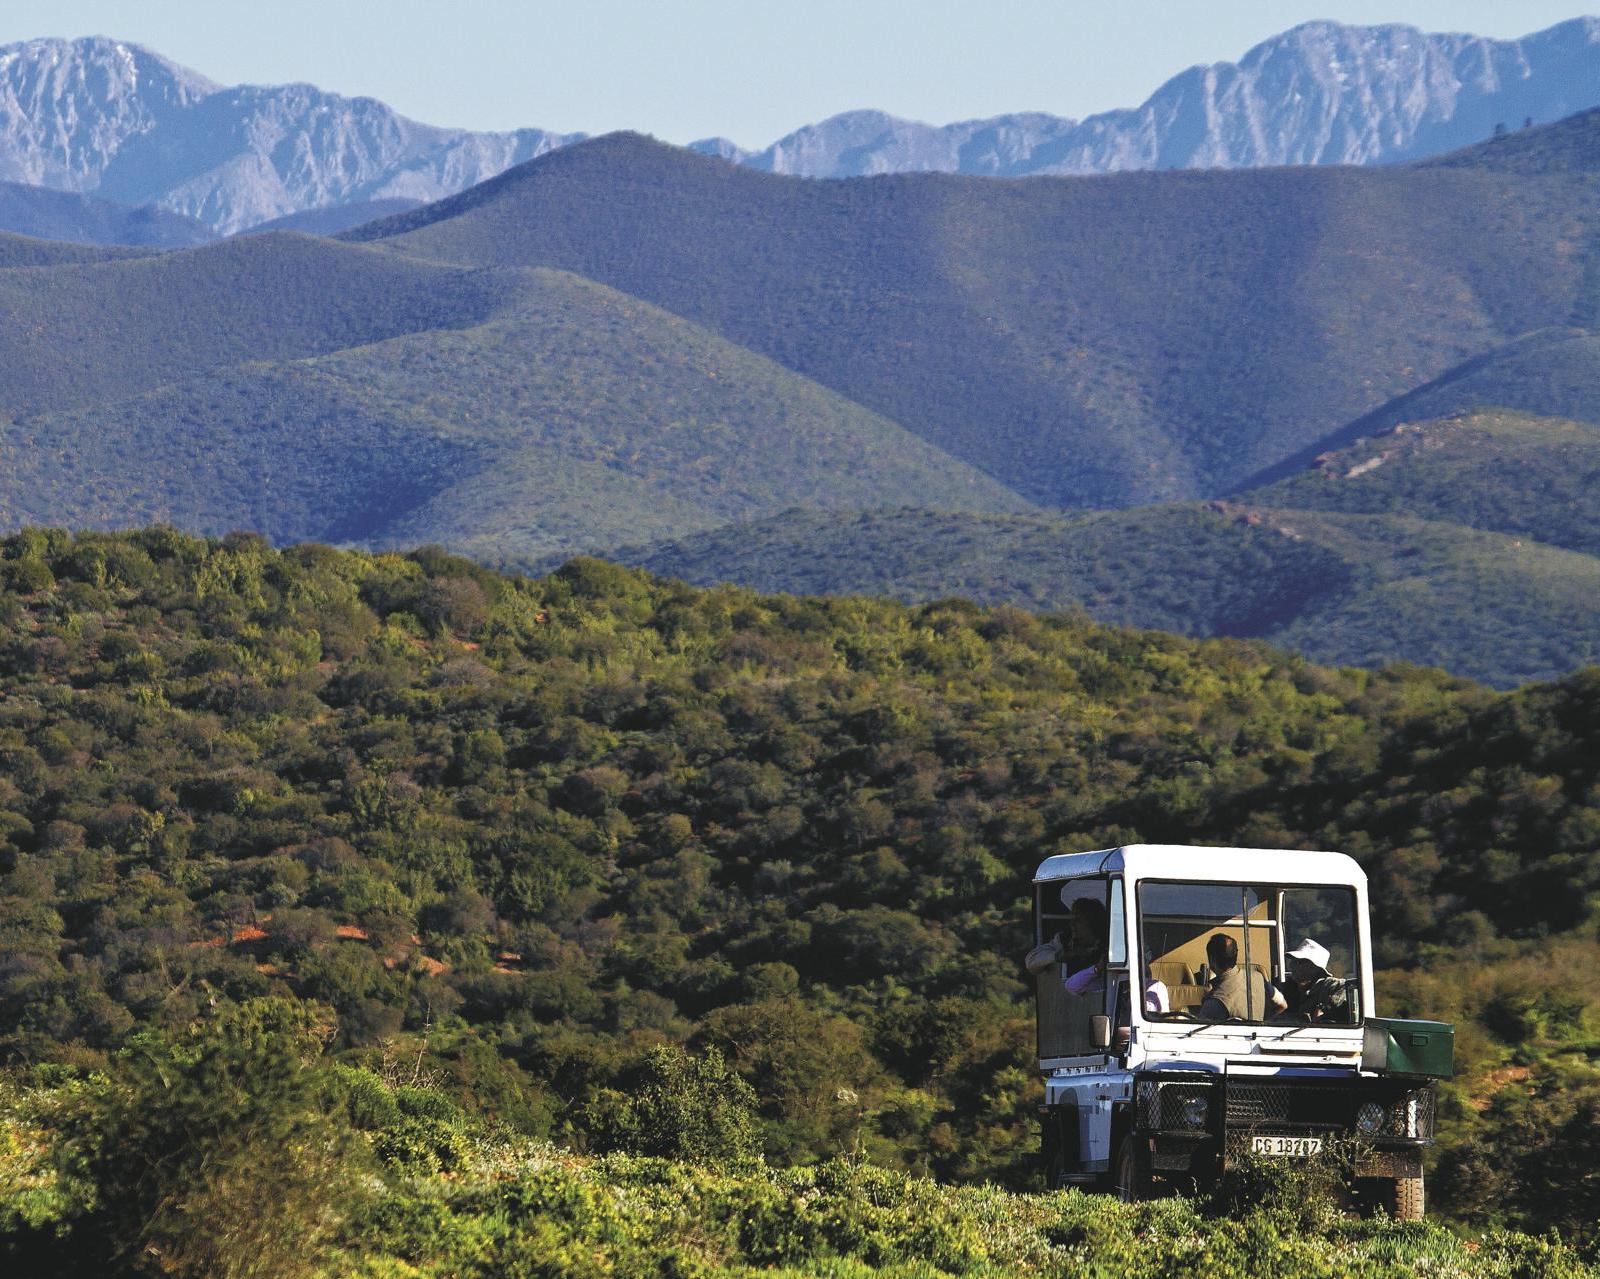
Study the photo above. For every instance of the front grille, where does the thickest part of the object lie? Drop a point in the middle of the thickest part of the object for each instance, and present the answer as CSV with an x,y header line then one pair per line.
x,y
1256,1105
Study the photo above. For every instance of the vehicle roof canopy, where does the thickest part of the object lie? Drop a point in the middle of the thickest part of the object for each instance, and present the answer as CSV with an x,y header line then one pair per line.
x,y
1189,861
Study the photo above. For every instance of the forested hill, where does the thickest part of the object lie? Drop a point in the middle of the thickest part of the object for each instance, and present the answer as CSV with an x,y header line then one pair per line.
x,y
518,831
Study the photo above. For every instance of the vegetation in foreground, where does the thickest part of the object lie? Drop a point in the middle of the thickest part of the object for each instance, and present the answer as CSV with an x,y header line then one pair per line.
x,y
237,1149
515,836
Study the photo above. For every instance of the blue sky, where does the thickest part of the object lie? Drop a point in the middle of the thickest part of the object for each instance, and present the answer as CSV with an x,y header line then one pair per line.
x,y
747,69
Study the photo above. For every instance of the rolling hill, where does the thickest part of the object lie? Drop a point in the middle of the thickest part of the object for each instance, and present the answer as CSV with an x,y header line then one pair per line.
x,y
24,250
626,344
575,414
334,218
104,329
1087,342
1569,144
1343,589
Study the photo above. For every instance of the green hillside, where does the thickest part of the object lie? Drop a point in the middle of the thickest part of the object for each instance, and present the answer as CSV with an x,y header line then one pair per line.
x,y
1346,589
1101,341
578,418
1535,477
494,840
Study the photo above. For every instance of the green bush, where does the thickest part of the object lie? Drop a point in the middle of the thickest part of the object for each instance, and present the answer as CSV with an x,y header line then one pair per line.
x,y
210,1154
694,1109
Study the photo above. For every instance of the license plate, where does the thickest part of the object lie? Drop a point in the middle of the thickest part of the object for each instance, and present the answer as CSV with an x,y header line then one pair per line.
x,y
1293,1147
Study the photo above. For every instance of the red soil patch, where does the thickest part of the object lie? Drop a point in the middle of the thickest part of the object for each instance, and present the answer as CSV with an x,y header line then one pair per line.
x,y
1493,1081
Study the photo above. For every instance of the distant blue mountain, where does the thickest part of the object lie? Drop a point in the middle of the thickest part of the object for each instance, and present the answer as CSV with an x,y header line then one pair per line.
x,y
81,219
102,117
1321,93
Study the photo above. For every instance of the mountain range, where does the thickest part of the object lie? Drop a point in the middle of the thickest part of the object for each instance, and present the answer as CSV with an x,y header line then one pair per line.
x,y
628,348
101,117
1346,409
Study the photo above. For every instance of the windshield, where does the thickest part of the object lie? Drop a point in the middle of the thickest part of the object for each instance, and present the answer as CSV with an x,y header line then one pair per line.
x,y
1253,953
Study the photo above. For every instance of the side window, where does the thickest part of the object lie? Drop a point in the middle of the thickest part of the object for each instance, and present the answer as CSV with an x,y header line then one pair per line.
x,y
1072,991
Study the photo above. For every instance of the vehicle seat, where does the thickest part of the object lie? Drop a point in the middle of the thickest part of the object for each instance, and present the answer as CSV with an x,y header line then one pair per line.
x,y
1186,998
1172,973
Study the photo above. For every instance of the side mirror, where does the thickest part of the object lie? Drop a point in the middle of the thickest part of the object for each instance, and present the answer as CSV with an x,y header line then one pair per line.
x,y
1100,1030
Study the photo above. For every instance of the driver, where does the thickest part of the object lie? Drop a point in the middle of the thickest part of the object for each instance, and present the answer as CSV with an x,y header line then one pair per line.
x,y
1312,994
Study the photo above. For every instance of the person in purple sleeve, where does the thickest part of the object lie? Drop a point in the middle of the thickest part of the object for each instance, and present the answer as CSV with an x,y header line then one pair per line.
x,y
1085,961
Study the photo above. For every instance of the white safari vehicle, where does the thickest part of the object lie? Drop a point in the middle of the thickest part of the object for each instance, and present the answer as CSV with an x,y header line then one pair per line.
x,y
1198,1004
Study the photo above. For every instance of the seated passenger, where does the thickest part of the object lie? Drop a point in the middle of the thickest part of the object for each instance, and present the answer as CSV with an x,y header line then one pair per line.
x,y
1314,995
1157,998
1085,957
1236,993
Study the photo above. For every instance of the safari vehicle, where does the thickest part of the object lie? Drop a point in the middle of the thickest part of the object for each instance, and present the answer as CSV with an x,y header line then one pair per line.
x,y
1153,1082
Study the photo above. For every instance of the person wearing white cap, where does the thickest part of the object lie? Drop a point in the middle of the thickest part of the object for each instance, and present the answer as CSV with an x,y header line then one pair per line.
x,y
1313,994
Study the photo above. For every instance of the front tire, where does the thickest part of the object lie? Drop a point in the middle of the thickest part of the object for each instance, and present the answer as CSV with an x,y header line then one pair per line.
x,y
1405,1198
1399,1198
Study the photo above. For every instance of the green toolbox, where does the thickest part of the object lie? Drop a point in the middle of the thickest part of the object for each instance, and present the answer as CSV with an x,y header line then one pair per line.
x,y
1398,1046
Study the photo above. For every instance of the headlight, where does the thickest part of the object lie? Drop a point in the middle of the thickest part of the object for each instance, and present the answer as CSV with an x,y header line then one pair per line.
x,y
1413,1116
1369,1119
1193,1110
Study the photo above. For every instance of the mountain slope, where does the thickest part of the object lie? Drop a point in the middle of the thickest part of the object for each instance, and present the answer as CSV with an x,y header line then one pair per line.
x,y
576,418
61,215
1570,144
1343,589
1088,342
24,251
1492,469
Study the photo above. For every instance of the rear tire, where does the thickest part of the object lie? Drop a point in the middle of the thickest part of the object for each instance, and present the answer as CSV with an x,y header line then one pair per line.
x,y
1130,1170
1055,1171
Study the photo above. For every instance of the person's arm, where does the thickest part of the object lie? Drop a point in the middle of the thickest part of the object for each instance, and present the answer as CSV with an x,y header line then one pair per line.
x,y
1082,981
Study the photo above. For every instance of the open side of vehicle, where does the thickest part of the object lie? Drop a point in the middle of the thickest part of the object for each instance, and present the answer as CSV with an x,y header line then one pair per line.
x,y
1196,1005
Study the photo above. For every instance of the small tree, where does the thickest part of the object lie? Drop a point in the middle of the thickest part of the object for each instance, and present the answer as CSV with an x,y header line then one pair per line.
x,y
693,1109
